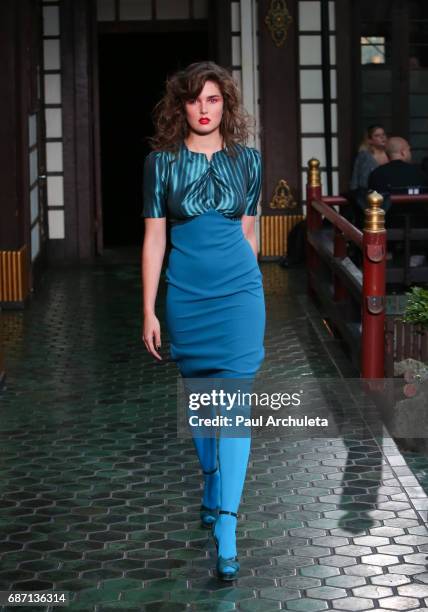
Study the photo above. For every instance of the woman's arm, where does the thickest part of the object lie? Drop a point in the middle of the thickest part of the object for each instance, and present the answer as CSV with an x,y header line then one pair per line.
x,y
355,178
254,186
364,164
152,255
249,230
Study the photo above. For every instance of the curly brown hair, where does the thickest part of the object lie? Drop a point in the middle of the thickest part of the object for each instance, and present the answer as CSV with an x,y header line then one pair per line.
x,y
169,115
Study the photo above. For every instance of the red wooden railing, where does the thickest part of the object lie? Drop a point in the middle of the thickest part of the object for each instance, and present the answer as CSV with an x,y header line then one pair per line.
x,y
365,337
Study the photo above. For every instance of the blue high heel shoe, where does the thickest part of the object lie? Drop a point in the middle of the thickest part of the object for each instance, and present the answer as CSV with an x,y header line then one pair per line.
x,y
227,569
208,515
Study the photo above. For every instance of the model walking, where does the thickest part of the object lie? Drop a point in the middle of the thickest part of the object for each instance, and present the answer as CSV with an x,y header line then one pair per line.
x,y
207,182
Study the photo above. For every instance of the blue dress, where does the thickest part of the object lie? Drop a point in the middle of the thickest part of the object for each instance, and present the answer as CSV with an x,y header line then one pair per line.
x,y
215,310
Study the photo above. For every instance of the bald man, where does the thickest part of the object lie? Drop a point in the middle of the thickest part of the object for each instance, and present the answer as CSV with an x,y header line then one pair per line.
x,y
396,177
399,174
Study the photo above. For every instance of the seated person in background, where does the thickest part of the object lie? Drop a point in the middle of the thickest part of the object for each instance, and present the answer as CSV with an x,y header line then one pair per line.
x,y
370,155
399,174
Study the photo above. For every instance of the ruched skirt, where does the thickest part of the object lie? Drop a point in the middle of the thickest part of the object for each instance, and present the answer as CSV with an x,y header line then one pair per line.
x,y
215,309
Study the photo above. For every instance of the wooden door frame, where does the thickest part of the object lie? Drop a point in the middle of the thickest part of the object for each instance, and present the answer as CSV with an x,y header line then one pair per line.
x,y
400,69
21,51
38,106
219,28
347,104
76,18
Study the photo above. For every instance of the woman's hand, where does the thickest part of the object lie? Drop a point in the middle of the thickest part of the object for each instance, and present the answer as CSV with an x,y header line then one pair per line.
x,y
151,263
151,335
249,231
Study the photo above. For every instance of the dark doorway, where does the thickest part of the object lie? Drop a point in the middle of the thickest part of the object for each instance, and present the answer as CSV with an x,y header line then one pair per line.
x,y
132,72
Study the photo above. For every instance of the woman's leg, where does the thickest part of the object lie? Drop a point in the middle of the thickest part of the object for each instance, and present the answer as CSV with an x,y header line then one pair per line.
x,y
233,460
234,452
206,449
205,444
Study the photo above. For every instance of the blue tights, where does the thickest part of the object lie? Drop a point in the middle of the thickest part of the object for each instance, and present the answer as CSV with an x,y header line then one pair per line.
x,y
224,488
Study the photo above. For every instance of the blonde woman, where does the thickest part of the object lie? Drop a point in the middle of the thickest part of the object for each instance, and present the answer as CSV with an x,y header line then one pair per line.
x,y
371,155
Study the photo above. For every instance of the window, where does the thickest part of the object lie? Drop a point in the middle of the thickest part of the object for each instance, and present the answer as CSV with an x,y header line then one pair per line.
x,y
372,49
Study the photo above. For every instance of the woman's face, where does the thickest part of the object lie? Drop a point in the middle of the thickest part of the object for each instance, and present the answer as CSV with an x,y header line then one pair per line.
x,y
378,138
205,112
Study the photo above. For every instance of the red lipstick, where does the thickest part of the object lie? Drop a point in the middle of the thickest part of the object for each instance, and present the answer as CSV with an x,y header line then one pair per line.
x,y
204,120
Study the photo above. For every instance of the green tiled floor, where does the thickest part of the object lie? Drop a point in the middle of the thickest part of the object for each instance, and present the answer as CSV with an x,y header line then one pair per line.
x,y
100,497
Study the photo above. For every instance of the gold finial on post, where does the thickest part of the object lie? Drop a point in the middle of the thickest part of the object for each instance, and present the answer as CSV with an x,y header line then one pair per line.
x,y
314,175
374,216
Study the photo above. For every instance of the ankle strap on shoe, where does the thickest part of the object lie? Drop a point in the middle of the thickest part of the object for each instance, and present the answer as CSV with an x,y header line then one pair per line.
x,y
227,512
210,472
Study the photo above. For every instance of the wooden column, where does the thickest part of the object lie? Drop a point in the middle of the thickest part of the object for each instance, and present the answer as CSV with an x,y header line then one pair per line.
x,y
17,69
279,112
400,68
12,234
348,66
280,123
77,43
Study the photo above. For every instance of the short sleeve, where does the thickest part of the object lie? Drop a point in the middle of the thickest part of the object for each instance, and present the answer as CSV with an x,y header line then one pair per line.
x,y
254,181
155,185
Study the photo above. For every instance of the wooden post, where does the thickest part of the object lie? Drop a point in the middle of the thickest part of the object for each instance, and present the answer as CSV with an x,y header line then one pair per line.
x,y
313,217
340,292
373,304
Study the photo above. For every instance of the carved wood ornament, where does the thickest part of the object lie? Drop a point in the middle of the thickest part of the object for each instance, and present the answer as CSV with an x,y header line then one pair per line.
x,y
278,20
283,198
